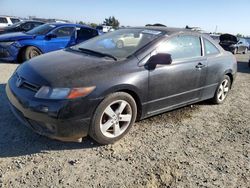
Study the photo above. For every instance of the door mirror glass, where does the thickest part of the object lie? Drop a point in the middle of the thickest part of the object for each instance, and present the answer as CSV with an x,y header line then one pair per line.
x,y
160,59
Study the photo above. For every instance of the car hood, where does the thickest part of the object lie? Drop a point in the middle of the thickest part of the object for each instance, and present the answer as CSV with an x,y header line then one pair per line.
x,y
228,38
7,30
15,36
64,68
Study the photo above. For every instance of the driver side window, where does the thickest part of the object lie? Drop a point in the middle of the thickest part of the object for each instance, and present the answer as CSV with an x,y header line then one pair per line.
x,y
64,32
182,47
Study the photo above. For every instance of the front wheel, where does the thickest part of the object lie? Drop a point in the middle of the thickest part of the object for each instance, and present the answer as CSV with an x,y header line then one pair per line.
x,y
222,90
30,52
113,118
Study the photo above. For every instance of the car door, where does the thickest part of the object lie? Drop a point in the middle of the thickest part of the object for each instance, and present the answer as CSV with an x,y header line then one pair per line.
x,y
179,83
62,38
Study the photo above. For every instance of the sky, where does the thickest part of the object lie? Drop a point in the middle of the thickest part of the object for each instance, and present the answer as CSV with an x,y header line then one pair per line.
x,y
229,16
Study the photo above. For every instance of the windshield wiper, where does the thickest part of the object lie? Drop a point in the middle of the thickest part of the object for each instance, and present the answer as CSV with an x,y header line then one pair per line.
x,y
98,53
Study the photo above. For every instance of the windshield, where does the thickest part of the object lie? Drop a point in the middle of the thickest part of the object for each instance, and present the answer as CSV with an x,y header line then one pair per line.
x,y
14,20
121,43
42,30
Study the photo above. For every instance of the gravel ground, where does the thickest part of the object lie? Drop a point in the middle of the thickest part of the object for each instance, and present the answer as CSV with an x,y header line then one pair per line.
x,y
202,145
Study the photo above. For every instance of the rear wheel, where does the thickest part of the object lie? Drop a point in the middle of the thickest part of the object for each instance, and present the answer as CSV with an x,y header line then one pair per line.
x,y
113,118
222,91
30,52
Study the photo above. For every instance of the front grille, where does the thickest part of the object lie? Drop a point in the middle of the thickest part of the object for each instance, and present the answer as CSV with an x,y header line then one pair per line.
x,y
27,85
30,86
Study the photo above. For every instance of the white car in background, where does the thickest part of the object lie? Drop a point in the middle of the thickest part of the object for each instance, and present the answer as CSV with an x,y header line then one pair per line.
x,y
127,40
105,28
8,20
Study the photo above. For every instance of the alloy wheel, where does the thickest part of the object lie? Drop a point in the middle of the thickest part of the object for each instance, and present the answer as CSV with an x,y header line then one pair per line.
x,y
223,90
33,53
116,118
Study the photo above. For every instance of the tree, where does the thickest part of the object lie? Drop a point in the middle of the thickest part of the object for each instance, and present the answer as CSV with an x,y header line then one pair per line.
x,y
111,21
81,22
93,25
239,35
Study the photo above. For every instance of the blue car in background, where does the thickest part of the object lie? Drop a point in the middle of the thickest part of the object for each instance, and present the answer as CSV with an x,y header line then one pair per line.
x,y
21,46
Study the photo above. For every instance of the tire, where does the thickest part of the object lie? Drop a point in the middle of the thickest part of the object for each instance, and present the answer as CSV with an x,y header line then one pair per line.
x,y
30,52
222,90
119,44
106,129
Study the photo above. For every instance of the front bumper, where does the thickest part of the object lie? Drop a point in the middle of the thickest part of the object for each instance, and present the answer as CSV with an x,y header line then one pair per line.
x,y
8,53
48,124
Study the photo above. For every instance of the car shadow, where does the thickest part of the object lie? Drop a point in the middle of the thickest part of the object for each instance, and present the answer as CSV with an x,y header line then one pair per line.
x,y
243,67
9,62
18,140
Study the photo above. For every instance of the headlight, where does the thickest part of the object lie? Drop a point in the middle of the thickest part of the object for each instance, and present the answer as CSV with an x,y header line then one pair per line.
x,y
7,43
63,93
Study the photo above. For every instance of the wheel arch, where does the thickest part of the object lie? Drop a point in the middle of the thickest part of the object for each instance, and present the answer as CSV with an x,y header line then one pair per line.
x,y
131,90
230,74
19,55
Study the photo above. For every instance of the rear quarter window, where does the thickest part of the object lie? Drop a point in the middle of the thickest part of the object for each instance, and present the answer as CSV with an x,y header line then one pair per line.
x,y
210,48
86,33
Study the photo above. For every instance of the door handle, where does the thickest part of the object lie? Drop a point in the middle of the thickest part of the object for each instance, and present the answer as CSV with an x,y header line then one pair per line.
x,y
200,66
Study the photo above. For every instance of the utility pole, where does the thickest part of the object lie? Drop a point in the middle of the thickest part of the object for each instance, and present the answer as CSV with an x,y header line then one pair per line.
x,y
216,28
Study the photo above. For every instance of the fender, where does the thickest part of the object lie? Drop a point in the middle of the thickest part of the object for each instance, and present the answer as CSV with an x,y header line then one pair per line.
x,y
122,87
37,44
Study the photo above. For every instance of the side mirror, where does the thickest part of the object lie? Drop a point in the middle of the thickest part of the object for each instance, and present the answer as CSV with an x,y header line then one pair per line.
x,y
160,59
50,36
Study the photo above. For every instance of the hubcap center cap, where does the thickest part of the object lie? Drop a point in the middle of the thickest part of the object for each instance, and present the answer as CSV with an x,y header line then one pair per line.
x,y
116,118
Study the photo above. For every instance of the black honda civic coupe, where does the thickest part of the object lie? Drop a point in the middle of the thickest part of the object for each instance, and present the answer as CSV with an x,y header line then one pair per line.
x,y
102,86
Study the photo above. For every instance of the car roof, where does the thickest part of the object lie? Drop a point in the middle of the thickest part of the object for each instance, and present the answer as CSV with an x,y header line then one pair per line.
x,y
167,30
69,24
9,17
25,21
